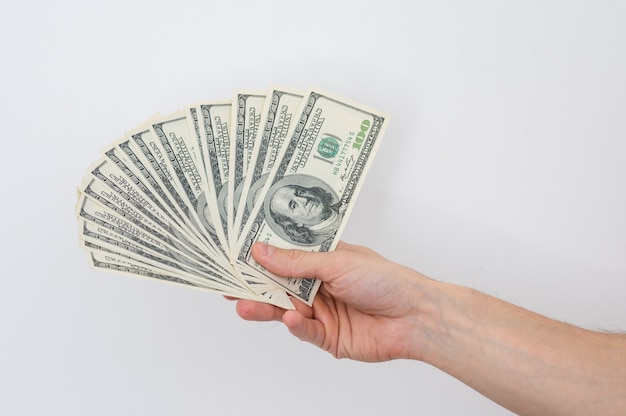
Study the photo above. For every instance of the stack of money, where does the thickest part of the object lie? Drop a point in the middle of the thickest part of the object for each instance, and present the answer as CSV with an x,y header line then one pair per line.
x,y
183,197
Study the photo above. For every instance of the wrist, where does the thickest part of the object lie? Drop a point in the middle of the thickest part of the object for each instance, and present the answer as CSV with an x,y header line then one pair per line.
x,y
424,320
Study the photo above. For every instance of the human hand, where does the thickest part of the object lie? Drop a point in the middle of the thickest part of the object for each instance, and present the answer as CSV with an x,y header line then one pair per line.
x,y
371,309
363,310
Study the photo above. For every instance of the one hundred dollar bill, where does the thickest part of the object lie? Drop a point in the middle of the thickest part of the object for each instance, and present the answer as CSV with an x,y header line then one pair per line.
x,y
213,120
311,191
245,123
183,197
98,205
276,124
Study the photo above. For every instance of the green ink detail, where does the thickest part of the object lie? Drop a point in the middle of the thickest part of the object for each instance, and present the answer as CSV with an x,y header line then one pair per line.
x,y
328,147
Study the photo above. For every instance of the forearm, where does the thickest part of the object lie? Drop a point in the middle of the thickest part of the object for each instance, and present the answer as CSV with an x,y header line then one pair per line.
x,y
525,362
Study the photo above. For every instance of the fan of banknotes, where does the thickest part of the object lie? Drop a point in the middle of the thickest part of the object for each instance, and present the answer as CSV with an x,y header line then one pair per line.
x,y
183,197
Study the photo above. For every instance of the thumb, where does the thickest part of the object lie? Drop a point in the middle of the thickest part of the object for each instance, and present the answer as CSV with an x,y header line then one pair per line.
x,y
293,263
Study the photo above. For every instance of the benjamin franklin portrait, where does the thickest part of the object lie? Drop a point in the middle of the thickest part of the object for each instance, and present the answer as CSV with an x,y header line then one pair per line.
x,y
302,209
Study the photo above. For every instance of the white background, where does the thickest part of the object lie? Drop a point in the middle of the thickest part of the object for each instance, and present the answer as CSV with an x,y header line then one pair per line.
x,y
503,169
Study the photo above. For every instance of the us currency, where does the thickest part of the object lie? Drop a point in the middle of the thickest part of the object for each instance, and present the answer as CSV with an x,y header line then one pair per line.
x,y
213,119
102,259
181,198
121,193
245,121
100,206
279,111
130,162
126,228
111,246
106,232
172,145
141,149
165,252
152,184
310,193
166,154
109,240
145,192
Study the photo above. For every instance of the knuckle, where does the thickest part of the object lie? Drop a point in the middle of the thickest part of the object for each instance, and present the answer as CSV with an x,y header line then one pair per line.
x,y
296,256
291,254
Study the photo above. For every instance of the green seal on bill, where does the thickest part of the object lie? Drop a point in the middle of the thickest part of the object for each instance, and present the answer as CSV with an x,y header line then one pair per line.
x,y
328,146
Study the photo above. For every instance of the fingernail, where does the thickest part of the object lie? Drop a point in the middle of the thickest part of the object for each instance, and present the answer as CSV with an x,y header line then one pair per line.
x,y
266,249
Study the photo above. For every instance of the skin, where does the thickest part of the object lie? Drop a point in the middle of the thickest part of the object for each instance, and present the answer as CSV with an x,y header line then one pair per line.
x,y
371,309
